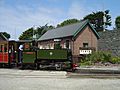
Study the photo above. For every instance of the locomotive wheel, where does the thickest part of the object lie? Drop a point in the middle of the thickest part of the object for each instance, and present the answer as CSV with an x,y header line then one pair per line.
x,y
22,66
58,67
36,65
9,65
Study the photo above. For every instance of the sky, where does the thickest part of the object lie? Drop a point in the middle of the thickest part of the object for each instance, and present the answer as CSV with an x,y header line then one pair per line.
x,y
17,16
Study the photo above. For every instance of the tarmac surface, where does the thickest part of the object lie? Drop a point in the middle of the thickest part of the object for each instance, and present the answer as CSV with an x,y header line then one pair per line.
x,y
14,79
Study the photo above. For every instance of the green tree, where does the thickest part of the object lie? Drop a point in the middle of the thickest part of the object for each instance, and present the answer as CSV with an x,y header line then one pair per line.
x,y
117,22
6,35
96,19
67,22
27,35
39,31
43,29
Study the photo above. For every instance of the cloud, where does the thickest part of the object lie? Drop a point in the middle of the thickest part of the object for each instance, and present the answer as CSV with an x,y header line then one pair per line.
x,y
77,10
20,18
15,19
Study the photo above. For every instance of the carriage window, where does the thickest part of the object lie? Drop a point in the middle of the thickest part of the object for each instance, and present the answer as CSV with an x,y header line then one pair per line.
x,y
5,48
1,48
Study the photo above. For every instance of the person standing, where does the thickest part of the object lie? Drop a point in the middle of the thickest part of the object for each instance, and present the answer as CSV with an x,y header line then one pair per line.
x,y
20,53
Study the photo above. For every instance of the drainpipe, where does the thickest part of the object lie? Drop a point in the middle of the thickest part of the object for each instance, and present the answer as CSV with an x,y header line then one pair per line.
x,y
73,46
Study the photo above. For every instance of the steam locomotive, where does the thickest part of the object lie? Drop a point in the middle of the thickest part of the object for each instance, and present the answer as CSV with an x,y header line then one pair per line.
x,y
32,56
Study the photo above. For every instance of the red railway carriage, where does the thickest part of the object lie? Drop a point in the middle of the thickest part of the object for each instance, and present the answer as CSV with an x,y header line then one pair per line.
x,y
7,53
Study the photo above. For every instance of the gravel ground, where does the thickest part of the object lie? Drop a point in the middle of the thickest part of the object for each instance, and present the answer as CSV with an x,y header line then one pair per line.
x,y
9,80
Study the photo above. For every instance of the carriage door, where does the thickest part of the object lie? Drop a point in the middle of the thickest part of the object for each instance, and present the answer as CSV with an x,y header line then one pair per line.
x,y
5,52
1,53
12,53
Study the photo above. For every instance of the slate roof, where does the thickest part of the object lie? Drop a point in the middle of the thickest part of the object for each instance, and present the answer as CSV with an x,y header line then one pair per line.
x,y
24,41
69,30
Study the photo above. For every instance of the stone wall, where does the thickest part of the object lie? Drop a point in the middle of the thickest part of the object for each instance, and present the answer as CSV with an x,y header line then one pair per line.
x,y
110,41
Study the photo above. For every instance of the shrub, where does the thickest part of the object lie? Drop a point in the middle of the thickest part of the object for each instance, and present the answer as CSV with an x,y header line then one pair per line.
x,y
106,57
97,57
115,60
86,63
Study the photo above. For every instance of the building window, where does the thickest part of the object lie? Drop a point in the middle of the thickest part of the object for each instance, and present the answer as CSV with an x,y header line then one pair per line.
x,y
47,46
85,45
51,46
41,47
57,45
67,44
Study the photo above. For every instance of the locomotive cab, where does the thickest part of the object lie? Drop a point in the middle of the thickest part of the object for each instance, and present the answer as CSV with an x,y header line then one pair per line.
x,y
26,56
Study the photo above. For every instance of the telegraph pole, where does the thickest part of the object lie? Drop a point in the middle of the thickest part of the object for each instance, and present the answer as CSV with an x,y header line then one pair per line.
x,y
104,18
33,32
104,21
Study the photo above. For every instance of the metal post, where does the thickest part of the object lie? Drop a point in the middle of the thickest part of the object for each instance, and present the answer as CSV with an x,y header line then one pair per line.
x,y
104,18
33,32
104,21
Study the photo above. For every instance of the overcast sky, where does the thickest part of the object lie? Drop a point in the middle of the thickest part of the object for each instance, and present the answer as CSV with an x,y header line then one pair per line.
x,y
18,15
